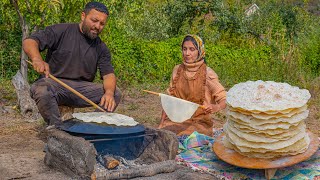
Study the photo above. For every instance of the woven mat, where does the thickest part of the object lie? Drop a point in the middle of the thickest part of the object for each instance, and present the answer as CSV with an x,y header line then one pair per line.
x,y
195,151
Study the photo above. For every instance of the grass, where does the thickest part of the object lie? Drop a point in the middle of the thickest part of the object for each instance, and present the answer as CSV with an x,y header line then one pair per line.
x,y
7,93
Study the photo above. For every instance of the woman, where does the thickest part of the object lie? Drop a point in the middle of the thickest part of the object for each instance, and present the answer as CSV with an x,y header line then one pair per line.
x,y
192,80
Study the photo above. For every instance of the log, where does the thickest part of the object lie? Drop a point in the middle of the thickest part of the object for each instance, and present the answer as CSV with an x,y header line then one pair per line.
x,y
110,162
142,171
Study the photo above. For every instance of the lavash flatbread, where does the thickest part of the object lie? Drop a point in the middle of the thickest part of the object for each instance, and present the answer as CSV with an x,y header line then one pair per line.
x,y
109,118
238,141
178,110
266,119
255,121
297,148
281,134
267,132
266,96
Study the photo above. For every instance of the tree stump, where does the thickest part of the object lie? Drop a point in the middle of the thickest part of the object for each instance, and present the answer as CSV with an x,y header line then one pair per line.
x,y
27,105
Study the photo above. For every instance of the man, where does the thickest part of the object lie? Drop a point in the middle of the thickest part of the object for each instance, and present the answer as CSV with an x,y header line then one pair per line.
x,y
74,52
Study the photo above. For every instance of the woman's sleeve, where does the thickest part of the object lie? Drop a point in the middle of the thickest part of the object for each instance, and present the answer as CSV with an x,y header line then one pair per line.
x,y
218,92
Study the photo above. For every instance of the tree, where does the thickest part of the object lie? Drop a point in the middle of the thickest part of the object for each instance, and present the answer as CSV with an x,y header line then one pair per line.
x,y
32,14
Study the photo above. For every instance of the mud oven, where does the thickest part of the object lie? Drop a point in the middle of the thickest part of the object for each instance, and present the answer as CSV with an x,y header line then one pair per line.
x,y
99,151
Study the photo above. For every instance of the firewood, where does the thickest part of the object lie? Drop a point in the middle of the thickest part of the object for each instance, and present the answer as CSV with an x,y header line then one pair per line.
x,y
142,171
93,176
110,162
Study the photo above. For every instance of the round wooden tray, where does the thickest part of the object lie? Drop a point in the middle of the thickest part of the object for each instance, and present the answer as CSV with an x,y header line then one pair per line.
x,y
232,157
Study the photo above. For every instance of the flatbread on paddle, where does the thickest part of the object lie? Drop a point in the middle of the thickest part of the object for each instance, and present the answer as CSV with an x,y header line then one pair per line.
x,y
178,110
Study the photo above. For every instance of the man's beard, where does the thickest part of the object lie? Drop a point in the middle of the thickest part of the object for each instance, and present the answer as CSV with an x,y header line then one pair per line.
x,y
86,31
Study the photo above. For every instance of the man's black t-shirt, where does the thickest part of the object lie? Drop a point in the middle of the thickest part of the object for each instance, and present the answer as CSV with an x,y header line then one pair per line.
x,y
71,55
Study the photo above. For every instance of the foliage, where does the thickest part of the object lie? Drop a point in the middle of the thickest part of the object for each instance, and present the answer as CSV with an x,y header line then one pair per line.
x,y
140,19
279,42
18,15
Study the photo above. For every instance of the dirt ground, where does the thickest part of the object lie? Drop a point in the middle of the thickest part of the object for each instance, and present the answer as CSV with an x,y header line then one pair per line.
x,y
21,144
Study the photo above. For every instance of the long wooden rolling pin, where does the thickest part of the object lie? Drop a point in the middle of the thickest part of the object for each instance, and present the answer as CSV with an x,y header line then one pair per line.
x,y
74,91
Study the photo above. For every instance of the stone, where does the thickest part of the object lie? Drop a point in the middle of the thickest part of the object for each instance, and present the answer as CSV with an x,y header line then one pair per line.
x,y
164,146
72,155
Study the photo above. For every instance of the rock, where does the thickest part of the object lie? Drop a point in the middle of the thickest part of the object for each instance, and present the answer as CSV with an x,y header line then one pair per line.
x,y
164,146
72,155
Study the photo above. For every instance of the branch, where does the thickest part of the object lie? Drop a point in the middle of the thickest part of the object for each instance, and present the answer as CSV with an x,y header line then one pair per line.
x,y
28,6
16,6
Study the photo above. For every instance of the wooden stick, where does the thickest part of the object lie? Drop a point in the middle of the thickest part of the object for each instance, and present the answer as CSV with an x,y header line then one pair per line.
x,y
151,92
155,93
110,162
74,91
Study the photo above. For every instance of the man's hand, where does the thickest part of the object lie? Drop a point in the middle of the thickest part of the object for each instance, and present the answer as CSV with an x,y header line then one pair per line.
x,y
109,85
107,101
41,67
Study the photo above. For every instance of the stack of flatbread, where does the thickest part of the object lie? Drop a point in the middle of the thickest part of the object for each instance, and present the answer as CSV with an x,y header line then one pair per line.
x,y
266,119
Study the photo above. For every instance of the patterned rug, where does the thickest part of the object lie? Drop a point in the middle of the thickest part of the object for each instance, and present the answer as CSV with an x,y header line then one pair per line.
x,y
195,151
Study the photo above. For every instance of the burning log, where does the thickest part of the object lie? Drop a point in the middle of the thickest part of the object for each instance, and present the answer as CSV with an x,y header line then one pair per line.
x,y
110,162
144,171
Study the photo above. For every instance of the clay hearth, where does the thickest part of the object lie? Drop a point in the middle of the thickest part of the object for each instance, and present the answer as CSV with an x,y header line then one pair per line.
x,y
77,157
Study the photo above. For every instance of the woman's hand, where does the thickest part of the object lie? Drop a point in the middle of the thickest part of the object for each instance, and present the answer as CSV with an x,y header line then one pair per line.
x,y
212,108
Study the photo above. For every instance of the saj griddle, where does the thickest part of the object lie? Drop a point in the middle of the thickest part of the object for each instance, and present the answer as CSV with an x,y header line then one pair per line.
x,y
125,141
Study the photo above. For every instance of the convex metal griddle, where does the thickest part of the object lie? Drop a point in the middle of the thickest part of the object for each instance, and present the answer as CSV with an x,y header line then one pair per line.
x,y
125,141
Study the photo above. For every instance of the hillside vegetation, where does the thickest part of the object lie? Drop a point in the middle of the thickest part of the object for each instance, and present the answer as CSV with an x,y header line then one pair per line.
x,y
279,42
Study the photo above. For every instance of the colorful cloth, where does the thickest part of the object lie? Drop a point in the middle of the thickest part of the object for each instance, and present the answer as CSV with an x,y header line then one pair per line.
x,y
196,152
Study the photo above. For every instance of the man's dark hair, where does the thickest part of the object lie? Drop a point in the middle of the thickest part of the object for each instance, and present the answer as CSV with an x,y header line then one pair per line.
x,y
97,6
